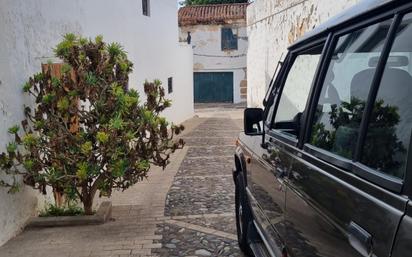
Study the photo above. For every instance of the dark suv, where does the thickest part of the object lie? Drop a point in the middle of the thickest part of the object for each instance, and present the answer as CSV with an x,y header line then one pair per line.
x,y
325,169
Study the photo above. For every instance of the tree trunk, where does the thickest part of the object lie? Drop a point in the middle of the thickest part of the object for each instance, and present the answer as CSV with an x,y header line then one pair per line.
x,y
88,204
59,198
88,196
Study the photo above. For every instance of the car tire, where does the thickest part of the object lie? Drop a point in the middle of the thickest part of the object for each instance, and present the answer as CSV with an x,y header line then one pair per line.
x,y
243,214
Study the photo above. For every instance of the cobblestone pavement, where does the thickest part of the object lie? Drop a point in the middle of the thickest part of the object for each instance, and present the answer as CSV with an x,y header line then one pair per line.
x,y
186,210
199,210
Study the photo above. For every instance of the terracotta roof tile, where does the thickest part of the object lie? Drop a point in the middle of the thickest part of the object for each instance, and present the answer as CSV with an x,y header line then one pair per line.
x,y
211,14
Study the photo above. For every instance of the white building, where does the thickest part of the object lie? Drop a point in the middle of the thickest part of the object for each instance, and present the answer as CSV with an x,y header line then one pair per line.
x,y
272,25
31,28
219,41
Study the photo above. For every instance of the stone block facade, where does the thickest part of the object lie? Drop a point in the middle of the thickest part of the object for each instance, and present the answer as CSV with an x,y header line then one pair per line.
x,y
272,25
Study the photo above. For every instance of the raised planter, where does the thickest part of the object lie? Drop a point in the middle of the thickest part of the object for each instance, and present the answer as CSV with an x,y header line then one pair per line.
x,y
103,214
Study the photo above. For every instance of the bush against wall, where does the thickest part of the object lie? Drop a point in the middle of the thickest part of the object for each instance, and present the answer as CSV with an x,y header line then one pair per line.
x,y
87,132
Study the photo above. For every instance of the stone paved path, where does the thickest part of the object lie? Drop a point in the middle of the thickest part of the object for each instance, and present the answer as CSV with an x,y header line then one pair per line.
x,y
186,210
199,211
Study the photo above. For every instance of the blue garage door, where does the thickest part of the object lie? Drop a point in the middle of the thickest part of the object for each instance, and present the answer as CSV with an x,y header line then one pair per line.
x,y
213,87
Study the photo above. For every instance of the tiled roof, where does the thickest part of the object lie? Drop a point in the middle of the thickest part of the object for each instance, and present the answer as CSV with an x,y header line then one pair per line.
x,y
211,14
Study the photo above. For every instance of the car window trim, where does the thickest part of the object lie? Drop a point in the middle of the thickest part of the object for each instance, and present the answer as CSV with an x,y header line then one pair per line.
x,y
329,157
363,24
407,189
283,137
383,180
379,178
376,82
407,186
293,54
315,91
275,87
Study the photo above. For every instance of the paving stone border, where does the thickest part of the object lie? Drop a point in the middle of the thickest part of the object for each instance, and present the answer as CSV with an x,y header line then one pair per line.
x,y
103,214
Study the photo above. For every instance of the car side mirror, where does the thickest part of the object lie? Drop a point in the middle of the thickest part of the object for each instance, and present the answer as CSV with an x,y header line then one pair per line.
x,y
290,126
252,120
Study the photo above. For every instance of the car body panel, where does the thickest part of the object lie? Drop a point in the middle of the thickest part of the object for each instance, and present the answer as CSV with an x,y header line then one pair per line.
x,y
403,242
321,207
314,203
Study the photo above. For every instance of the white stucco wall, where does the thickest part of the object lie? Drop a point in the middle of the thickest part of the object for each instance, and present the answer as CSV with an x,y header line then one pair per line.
x,y
209,57
31,28
272,25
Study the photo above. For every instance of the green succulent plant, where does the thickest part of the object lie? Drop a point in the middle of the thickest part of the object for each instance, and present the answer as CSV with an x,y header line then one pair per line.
x,y
87,132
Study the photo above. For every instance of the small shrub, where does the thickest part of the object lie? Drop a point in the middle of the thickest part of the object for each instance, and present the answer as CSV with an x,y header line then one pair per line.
x,y
87,132
52,210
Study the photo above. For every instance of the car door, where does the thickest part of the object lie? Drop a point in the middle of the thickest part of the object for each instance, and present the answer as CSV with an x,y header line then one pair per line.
x,y
265,187
272,162
343,190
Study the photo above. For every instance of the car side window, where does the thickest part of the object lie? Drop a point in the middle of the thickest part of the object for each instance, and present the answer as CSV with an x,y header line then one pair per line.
x,y
390,125
296,89
345,89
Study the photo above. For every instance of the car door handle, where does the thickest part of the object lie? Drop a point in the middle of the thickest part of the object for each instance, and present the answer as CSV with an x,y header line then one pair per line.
x,y
360,239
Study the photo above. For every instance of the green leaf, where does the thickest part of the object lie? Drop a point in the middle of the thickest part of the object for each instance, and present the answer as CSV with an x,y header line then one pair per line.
x,y
130,100
48,98
83,41
143,165
147,115
11,147
38,77
14,129
55,82
91,79
116,123
82,169
99,39
167,103
28,164
73,93
115,49
130,135
70,37
66,68
29,140
87,147
26,87
39,124
124,66
119,168
63,104
102,137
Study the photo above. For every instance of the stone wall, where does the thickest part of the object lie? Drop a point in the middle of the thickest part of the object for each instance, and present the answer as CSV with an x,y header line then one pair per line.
x,y
272,25
31,28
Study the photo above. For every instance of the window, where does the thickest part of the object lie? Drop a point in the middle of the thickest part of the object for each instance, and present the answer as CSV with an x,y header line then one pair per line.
x,y
296,89
229,40
170,85
271,93
390,125
146,7
345,89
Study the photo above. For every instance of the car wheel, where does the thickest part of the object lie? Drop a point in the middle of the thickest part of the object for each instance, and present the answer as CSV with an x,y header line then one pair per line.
x,y
243,215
